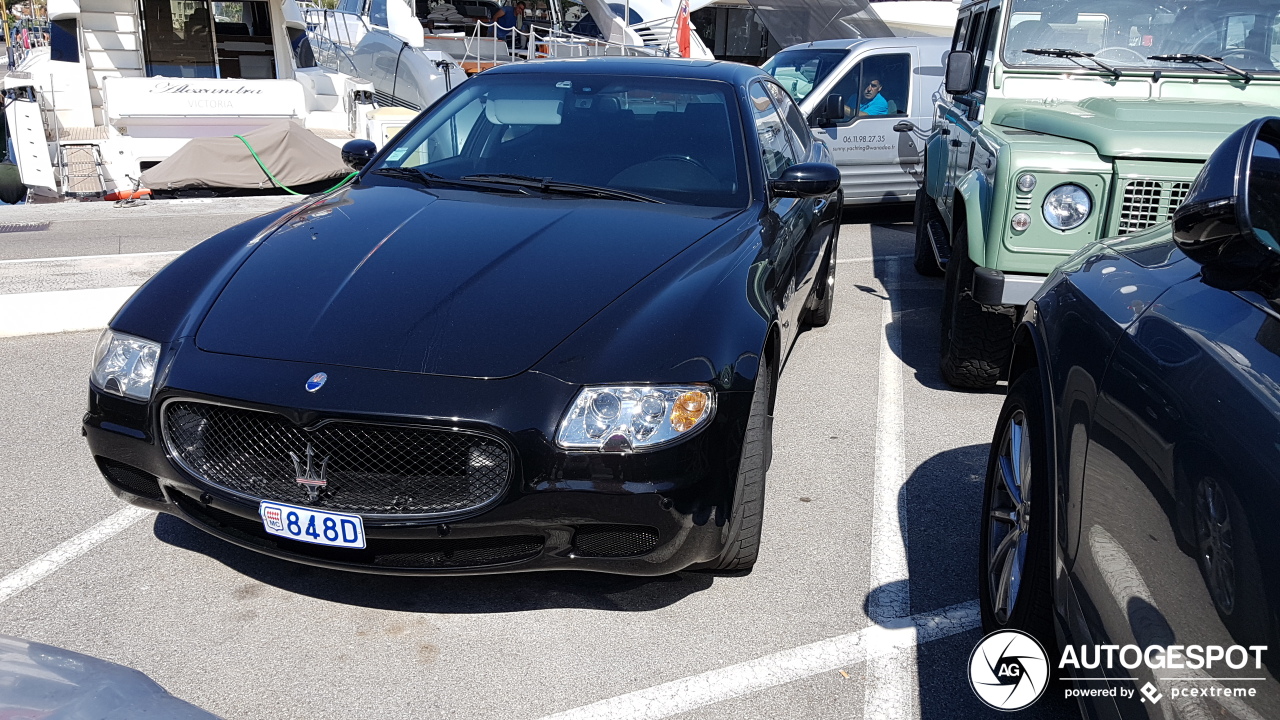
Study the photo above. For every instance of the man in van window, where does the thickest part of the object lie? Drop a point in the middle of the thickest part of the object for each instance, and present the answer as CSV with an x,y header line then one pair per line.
x,y
873,103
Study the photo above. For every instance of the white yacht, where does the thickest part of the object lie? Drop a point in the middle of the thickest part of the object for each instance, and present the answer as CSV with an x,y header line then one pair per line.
x,y
103,89
385,41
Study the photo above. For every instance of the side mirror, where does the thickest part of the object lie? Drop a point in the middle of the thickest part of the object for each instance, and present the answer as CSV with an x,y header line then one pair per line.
x,y
959,73
807,180
357,153
829,112
1227,223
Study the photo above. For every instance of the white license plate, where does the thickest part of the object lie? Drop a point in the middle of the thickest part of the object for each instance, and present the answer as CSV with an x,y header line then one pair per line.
x,y
312,526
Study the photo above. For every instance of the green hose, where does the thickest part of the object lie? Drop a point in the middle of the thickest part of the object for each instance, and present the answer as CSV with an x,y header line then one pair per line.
x,y
281,185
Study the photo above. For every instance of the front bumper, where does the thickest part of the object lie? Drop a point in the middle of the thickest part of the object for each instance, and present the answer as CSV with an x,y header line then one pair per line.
x,y
994,287
649,513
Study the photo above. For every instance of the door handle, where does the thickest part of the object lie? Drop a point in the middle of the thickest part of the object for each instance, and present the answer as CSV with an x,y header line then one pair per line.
x,y
956,143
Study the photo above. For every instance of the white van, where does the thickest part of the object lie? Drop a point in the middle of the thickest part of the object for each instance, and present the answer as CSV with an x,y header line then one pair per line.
x,y
872,101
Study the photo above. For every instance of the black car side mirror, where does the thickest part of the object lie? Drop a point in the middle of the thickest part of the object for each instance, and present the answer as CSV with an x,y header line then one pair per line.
x,y
357,153
829,112
960,74
1227,223
807,180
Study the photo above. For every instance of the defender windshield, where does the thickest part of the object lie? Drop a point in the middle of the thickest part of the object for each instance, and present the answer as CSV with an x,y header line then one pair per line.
x,y
1126,35
669,139
803,69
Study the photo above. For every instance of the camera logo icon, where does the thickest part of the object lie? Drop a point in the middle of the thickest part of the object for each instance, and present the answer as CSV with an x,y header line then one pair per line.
x,y
1009,670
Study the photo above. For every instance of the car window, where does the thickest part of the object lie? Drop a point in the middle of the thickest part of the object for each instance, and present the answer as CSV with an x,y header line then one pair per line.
x,y
987,56
775,150
975,32
799,133
962,29
802,69
672,139
876,87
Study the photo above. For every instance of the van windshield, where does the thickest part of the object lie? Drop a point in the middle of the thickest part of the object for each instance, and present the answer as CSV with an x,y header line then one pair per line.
x,y
1246,35
803,69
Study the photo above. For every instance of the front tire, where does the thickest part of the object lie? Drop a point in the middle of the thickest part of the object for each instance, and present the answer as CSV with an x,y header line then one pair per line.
x,y
746,521
976,339
1016,539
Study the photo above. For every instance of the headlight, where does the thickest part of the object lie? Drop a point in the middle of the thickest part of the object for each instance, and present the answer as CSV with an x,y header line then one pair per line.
x,y
125,365
1067,207
634,417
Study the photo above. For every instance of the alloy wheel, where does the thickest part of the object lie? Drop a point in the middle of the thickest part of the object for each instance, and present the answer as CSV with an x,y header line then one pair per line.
x,y
1009,515
1213,530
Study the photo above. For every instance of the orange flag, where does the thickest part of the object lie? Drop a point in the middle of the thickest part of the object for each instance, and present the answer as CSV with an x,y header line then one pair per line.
x,y
682,28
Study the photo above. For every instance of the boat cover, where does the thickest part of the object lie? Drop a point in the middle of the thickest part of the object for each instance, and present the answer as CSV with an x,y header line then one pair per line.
x,y
295,155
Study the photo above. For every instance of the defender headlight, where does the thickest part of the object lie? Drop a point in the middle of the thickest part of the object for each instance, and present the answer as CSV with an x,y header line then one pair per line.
x,y
125,365
624,418
1067,207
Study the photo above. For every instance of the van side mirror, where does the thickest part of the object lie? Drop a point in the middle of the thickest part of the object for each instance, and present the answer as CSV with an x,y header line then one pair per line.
x,y
1227,223
357,153
807,180
829,112
960,75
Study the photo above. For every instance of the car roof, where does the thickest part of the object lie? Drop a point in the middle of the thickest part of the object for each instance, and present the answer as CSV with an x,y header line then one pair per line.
x,y
730,72
872,43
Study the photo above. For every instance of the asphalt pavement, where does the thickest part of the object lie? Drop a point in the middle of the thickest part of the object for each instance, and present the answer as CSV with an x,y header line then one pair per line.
x,y
874,492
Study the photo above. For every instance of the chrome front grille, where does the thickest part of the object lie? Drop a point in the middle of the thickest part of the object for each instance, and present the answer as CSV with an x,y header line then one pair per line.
x,y
349,466
1147,203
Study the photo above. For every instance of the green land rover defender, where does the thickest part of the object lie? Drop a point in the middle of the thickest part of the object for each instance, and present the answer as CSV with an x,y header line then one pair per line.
x,y
1070,120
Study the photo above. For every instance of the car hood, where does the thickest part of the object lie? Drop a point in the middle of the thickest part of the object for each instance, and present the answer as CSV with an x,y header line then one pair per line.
x,y
454,283
1169,129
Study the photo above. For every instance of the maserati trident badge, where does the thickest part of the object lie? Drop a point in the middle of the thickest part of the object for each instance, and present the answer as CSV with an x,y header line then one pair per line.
x,y
315,382
306,475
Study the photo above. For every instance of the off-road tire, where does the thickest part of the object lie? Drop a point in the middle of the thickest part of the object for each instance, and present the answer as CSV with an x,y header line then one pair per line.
x,y
976,339
923,258
747,518
1033,608
824,292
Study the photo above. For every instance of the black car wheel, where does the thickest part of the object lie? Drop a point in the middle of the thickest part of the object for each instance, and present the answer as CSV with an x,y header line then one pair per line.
x,y
924,259
976,338
1224,549
824,293
1017,534
747,518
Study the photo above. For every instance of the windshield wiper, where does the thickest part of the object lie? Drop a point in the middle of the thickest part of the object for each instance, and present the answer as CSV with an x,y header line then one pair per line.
x,y
1074,56
549,185
429,178
1201,59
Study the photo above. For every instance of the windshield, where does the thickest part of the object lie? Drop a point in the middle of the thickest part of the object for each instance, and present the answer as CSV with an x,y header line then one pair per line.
x,y
1245,35
801,70
670,139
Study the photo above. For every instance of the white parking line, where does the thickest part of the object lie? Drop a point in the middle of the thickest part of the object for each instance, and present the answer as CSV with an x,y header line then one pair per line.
x,y
91,257
41,313
36,570
891,682
691,693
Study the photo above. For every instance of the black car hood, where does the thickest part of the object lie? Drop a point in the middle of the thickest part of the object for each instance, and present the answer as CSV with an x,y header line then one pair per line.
x,y
448,283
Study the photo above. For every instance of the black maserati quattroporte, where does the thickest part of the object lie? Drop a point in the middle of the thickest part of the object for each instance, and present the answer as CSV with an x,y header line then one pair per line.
x,y
541,330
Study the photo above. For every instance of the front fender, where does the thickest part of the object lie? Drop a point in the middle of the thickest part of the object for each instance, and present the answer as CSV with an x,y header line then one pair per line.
x,y
975,194
936,155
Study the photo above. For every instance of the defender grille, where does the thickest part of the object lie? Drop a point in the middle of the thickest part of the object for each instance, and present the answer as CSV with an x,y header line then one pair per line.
x,y
366,468
1147,203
